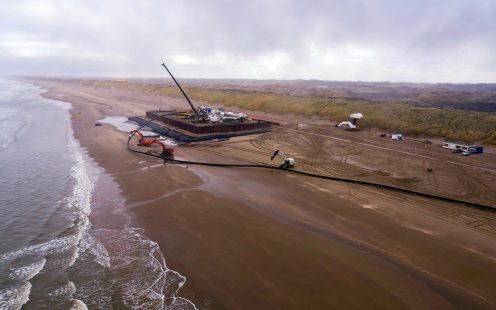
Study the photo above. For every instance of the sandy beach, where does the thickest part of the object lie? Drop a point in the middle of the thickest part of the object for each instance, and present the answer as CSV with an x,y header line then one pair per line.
x,y
258,239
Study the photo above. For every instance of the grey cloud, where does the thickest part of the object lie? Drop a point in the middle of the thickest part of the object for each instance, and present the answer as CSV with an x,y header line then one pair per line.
x,y
361,40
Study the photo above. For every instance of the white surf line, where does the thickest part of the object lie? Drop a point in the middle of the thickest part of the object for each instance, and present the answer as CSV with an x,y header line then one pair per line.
x,y
394,150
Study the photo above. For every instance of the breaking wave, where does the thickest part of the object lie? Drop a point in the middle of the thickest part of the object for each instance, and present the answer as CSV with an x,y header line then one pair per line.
x,y
60,252
14,297
138,273
144,279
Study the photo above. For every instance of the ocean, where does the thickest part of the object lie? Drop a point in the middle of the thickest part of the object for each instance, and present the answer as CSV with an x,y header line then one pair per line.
x,y
51,254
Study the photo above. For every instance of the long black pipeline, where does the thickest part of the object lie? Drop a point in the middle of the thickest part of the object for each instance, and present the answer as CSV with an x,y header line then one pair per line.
x,y
314,175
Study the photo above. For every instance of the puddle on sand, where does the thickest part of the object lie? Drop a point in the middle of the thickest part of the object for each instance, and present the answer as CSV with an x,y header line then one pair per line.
x,y
123,124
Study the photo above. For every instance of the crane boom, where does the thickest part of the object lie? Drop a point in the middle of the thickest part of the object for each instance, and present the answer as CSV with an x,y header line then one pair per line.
x,y
182,91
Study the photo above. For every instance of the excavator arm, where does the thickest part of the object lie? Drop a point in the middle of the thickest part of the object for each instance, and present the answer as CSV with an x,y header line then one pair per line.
x,y
141,137
287,162
142,141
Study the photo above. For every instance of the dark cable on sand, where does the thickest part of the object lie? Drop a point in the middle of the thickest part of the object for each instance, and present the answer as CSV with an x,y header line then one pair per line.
x,y
314,175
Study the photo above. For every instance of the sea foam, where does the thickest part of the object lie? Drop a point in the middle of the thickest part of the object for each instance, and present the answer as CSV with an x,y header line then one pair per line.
x,y
27,272
60,252
13,298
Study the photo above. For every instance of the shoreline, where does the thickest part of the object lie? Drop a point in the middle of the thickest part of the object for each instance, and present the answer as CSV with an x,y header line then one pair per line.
x,y
259,240
111,223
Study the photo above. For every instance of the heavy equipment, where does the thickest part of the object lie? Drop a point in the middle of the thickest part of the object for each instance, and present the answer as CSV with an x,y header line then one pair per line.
x,y
199,115
287,162
166,151
142,141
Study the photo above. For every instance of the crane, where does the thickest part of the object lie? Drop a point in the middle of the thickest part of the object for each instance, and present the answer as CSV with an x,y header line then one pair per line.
x,y
197,115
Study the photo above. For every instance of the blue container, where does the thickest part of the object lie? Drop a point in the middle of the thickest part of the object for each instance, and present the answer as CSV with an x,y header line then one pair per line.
x,y
476,149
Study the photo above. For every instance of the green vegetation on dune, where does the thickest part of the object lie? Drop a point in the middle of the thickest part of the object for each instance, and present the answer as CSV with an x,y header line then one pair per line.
x,y
419,121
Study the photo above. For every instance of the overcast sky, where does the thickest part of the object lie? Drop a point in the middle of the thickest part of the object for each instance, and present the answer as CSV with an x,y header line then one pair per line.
x,y
367,40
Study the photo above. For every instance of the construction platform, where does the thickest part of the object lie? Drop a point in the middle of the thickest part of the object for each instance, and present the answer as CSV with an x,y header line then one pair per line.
x,y
178,126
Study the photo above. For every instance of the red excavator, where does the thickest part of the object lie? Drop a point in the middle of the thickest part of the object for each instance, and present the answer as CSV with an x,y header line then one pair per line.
x,y
142,141
166,152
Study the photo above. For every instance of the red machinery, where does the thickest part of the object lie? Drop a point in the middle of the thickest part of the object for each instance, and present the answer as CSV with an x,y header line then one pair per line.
x,y
142,140
166,152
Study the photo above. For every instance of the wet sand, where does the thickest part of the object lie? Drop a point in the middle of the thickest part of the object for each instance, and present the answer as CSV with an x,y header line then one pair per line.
x,y
255,239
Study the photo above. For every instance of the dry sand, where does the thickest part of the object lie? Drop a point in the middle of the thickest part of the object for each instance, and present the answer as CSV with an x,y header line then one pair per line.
x,y
256,239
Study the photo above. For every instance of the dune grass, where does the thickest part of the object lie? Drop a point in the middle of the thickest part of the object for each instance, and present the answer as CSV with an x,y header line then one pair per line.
x,y
390,116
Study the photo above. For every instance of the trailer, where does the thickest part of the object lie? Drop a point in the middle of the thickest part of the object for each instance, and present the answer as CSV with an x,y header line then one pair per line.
x,y
451,145
463,147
